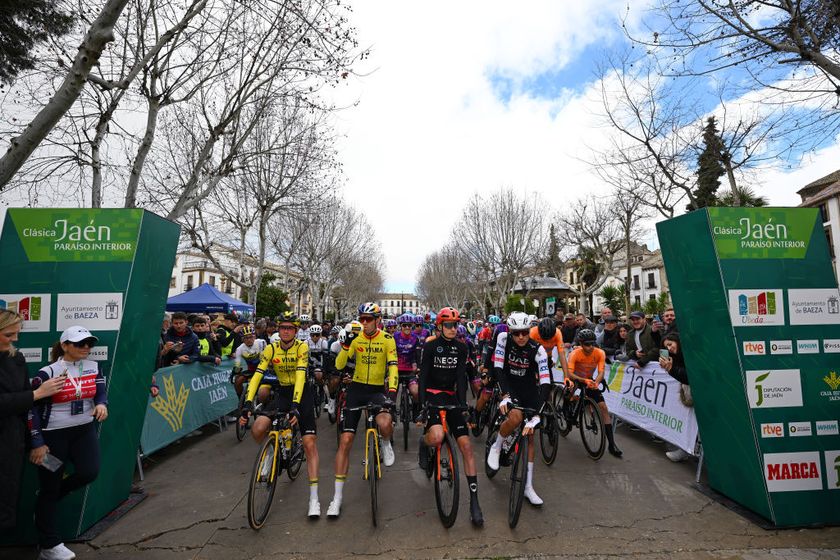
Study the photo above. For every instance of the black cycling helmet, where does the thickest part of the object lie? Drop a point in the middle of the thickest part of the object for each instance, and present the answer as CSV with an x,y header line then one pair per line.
x,y
586,336
547,328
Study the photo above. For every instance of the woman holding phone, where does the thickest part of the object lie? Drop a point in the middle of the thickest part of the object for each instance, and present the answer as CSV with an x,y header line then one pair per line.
x,y
671,360
63,430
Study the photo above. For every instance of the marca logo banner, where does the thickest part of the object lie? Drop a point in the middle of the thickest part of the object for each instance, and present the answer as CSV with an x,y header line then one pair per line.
x,y
831,346
74,234
832,469
807,346
781,347
792,472
799,429
773,430
754,348
34,308
775,388
814,307
827,427
761,233
756,308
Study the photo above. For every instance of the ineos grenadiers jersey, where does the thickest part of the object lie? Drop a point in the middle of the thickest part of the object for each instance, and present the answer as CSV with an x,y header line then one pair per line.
x,y
250,355
406,351
376,359
288,364
520,369
444,368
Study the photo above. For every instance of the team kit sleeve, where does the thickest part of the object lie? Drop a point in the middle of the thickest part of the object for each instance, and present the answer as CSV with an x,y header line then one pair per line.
x,y
499,363
542,366
343,356
391,363
300,371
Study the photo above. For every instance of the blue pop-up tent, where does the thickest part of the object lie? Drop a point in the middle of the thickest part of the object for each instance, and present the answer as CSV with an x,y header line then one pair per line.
x,y
206,299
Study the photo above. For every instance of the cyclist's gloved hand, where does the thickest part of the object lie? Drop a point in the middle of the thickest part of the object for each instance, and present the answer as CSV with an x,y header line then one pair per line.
x,y
294,412
349,336
469,414
346,377
590,384
392,395
247,408
504,404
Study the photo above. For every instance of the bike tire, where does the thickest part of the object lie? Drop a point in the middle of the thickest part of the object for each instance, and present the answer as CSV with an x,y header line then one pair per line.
x,y
261,492
447,482
592,429
405,413
518,478
561,409
549,436
295,454
317,398
491,437
373,475
240,429
481,421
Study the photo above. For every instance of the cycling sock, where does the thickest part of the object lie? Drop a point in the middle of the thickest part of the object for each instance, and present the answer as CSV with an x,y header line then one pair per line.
x,y
529,481
472,482
339,486
498,443
313,488
609,432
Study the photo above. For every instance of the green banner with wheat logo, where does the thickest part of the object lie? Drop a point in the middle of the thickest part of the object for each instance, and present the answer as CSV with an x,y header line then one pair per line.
x,y
190,396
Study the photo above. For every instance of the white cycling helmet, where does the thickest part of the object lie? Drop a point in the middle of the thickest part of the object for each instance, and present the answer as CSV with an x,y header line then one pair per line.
x,y
355,326
533,320
315,329
304,317
274,338
518,321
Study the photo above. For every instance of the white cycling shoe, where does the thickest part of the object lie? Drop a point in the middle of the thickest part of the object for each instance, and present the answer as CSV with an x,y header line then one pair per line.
x,y
335,509
314,508
493,457
387,453
532,496
58,552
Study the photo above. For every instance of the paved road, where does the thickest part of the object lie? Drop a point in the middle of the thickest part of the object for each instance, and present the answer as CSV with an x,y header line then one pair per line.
x,y
641,506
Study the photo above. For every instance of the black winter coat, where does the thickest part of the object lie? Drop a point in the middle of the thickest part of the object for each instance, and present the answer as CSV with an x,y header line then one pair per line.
x,y
15,402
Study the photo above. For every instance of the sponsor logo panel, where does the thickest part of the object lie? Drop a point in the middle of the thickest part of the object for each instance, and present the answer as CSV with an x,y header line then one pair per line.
x,y
799,429
32,354
773,430
807,346
831,389
99,353
774,388
95,311
781,347
832,469
34,308
756,308
754,348
827,427
814,307
792,472
831,346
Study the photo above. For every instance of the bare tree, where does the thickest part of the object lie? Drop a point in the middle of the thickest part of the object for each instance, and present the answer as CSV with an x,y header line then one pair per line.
x,y
443,277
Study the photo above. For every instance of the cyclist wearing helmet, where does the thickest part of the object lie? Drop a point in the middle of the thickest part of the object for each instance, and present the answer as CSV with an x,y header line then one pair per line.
x,y
443,381
586,363
376,361
318,352
408,353
549,337
533,320
247,353
303,331
522,372
390,326
286,361
486,371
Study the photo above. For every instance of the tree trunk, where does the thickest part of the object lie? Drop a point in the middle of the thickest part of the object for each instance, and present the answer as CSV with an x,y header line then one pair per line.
x,y
730,175
142,152
101,33
629,266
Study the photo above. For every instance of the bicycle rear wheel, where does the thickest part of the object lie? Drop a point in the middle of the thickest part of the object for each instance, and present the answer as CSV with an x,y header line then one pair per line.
x,y
240,429
295,453
549,435
262,484
518,475
561,410
447,483
372,474
592,429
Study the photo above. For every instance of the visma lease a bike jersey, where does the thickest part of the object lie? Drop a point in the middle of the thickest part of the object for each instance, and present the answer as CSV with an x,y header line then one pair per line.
x,y
288,364
375,357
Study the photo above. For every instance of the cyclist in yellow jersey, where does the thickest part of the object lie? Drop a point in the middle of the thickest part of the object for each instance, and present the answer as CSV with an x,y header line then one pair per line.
x,y
375,353
284,363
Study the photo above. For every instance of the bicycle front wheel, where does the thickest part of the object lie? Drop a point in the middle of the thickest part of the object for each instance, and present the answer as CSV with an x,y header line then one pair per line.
x,y
262,483
295,454
561,406
373,474
592,429
447,483
240,429
518,475
549,435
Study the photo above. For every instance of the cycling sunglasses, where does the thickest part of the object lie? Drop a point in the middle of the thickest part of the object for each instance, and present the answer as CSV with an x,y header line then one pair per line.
x,y
366,318
449,325
89,342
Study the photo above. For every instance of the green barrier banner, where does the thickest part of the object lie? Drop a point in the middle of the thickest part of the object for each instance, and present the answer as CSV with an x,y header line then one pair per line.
x,y
107,270
758,311
191,395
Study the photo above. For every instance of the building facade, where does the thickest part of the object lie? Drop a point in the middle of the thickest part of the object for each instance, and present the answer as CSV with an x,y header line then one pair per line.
x,y
647,275
396,303
824,194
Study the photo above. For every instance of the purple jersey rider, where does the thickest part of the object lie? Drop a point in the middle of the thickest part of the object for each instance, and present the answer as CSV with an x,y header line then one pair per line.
x,y
406,352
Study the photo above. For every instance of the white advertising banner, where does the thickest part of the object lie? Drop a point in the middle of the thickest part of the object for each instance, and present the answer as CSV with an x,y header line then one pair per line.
x,y
650,399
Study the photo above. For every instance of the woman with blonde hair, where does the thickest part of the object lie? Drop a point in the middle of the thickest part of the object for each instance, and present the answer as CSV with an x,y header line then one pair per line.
x,y
16,400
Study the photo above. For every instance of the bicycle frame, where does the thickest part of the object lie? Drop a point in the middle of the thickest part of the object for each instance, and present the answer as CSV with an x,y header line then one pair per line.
x,y
371,430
